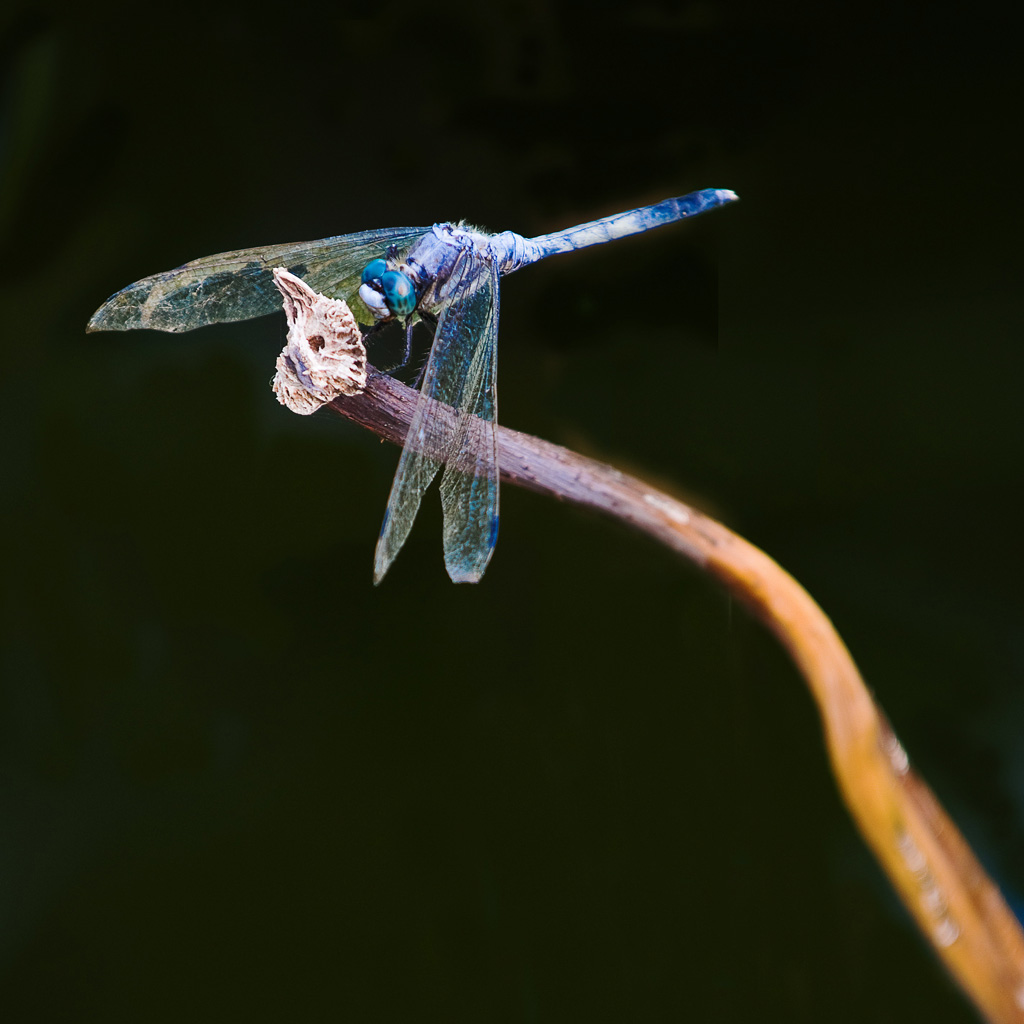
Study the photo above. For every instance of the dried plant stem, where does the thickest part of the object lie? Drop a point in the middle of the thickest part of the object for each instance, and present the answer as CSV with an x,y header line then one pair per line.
x,y
956,906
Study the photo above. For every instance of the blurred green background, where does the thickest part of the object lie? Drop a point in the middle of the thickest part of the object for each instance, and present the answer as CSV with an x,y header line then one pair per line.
x,y
239,783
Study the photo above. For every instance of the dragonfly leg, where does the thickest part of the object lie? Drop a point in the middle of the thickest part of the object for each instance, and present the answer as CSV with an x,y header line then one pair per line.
x,y
418,382
407,354
368,338
430,319
406,357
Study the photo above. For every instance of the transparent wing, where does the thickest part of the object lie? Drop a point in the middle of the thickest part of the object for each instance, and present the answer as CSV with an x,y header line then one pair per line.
x,y
454,424
469,487
239,285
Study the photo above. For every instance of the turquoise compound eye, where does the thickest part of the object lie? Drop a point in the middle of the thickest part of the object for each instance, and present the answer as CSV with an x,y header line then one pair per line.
x,y
399,293
373,269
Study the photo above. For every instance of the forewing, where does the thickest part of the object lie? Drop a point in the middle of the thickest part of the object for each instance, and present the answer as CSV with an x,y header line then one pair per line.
x,y
239,285
454,424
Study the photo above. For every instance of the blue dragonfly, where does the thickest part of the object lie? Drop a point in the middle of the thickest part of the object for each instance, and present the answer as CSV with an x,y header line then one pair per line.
x,y
446,275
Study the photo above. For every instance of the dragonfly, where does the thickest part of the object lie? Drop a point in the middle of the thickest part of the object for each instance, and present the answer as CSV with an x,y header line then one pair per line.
x,y
446,276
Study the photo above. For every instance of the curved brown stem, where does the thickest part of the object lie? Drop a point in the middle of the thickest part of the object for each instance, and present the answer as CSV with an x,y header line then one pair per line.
x,y
957,907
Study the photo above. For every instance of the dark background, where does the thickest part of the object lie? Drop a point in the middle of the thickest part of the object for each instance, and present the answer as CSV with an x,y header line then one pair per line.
x,y
239,783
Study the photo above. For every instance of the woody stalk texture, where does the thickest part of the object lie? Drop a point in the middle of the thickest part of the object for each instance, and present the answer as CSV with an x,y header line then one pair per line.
x,y
957,907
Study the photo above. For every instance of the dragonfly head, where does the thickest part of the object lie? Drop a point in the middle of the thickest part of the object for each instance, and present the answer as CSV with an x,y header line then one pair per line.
x,y
387,293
